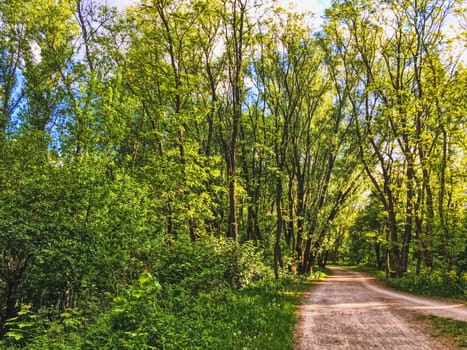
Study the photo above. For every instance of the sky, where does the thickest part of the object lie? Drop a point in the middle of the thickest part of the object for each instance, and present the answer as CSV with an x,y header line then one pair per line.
x,y
315,6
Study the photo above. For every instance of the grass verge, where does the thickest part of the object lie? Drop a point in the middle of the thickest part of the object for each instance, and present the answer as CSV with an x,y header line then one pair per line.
x,y
443,327
261,316
266,313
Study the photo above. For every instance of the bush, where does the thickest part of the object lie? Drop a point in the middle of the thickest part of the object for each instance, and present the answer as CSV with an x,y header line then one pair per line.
x,y
436,283
208,264
210,294
261,316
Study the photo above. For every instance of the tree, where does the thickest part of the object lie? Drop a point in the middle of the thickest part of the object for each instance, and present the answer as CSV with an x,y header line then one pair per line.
x,y
394,102
237,37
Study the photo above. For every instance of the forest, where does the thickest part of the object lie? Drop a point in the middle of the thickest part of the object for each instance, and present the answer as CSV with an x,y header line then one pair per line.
x,y
159,161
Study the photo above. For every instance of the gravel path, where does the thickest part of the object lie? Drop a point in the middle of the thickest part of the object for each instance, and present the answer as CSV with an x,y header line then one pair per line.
x,y
351,310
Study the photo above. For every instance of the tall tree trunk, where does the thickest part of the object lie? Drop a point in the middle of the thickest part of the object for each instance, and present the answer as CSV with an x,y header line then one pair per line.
x,y
279,225
408,213
441,200
430,215
235,58
395,260
232,230
305,263
176,64
300,220
418,232
290,234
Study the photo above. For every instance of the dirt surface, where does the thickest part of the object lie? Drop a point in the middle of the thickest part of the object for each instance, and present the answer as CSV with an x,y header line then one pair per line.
x,y
351,310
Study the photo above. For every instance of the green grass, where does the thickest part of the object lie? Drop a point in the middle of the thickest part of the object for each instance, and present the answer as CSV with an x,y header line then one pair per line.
x,y
261,316
265,314
371,270
206,296
442,327
258,317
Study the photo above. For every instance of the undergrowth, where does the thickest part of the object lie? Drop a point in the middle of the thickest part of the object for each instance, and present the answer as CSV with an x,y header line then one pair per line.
x,y
432,284
209,295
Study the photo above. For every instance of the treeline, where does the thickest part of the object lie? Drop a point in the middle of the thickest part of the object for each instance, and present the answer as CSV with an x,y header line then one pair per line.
x,y
178,122
406,90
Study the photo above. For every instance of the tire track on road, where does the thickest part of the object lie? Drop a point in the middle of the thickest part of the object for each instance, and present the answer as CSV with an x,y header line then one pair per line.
x,y
348,310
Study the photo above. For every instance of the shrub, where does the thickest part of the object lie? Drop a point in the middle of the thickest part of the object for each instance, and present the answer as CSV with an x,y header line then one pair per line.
x,y
209,264
436,283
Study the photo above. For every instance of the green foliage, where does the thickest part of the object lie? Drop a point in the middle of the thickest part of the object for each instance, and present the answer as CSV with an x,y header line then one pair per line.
x,y
261,316
21,327
34,330
125,138
454,329
192,278
240,310
134,320
436,284
182,313
208,264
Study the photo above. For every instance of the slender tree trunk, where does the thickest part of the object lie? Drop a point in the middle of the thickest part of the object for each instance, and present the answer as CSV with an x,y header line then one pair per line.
x,y
176,63
300,220
378,255
306,258
290,235
429,220
13,278
408,215
418,231
235,58
441,204
232,230
394,251
279,224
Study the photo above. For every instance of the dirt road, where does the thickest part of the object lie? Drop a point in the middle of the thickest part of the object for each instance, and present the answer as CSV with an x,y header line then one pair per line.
x,y
350,310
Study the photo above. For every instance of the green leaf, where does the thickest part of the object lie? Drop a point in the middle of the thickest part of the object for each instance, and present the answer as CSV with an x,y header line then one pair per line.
x,y
15,334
